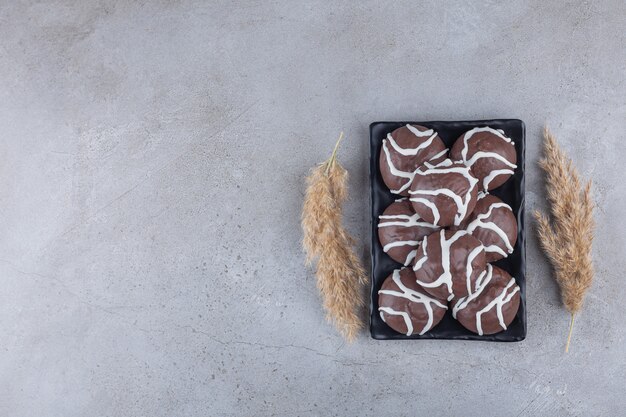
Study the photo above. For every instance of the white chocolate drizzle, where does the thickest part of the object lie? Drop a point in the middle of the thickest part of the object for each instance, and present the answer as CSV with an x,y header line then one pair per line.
x,y
483,154
419,133
483,279
498,302
420,262
415,297
435,158
403,220
487,180
468,135
446,276
396,172
413,151
461,202
469,269
398,243
479,222
408,152
404,314
433,208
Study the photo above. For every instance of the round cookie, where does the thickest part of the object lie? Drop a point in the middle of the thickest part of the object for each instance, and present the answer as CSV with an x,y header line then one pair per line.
x,y
404,150
489,153
492,306
448,263
406,307
494,224
444,194
400,230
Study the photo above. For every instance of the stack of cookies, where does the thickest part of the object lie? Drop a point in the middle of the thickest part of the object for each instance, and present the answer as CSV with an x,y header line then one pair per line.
x,y
446,229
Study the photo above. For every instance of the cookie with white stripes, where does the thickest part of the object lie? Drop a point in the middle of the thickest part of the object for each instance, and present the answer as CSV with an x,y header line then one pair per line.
x,y
405,306
445,193
489,153
448,263
494,224
493,304
400,230
404,150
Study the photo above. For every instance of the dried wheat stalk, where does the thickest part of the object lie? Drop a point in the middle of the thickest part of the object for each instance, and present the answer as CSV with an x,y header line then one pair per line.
x,y
339,272
567,238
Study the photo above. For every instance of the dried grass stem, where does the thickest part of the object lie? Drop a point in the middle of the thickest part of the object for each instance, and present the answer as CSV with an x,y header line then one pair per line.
x,y
339,272
567,234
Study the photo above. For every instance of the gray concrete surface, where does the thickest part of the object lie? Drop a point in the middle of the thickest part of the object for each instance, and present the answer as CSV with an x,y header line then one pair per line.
x,y
151,178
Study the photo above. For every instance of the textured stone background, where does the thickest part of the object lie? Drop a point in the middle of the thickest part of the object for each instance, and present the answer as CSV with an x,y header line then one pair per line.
x,y
151,176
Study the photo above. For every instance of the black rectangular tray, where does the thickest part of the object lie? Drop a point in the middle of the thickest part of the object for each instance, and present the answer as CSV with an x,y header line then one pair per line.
x,y
512,192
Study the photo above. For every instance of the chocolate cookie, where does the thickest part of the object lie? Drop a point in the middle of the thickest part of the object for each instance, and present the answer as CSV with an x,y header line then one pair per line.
x,y
444,194
448,263
406,307
493,304
403,151
400,230
494,224
489,153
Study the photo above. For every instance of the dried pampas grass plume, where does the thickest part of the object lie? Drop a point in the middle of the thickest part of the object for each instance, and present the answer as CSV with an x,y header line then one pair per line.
x,y
567,235
339,272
